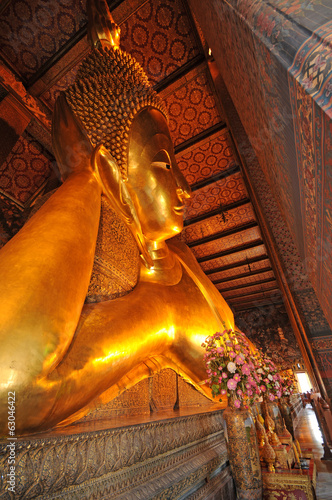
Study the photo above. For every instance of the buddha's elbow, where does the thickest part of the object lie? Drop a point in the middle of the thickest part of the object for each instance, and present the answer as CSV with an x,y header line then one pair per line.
x,y
26,355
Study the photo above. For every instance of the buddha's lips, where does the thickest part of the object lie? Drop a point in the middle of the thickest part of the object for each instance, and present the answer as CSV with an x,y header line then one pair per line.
x,y
179,210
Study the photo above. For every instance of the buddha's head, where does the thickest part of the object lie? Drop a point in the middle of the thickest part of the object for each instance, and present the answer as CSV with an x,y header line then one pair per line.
x,y
118,108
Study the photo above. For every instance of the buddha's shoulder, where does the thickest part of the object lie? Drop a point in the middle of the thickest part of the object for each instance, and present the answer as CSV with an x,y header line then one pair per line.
x,y
184,253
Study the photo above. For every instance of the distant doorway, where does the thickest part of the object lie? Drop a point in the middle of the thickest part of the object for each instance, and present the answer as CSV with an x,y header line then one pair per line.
x,y
303,381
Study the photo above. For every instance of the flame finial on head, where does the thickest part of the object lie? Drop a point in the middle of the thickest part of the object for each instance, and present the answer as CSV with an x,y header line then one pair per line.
x,y
102,29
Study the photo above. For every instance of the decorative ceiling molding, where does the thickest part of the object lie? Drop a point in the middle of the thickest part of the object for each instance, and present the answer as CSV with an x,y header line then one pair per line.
x,y
223,234
243,275
247,246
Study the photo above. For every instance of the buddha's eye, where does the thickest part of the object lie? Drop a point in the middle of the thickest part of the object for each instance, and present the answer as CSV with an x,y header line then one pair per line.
x,y
161,164
162,160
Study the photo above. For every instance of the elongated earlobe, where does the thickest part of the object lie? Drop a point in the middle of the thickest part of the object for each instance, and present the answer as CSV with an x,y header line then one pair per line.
x,y
115,189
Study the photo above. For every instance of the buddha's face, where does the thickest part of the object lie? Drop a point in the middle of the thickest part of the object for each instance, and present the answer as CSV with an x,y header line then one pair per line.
x,y
155,182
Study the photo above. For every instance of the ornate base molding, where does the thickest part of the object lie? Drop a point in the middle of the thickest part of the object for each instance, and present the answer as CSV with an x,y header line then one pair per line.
x,y
183,457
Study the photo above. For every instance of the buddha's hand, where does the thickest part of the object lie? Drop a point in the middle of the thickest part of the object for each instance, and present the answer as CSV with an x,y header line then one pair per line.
x,y
71,144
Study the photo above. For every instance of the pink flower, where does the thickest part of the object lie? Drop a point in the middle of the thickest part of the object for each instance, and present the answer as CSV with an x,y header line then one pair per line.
x,y
239,359
239,392
246,369
232,354
237,403
237,377
224,375
263,388
231,384
237,347
250,393
271,397
223,392
279,394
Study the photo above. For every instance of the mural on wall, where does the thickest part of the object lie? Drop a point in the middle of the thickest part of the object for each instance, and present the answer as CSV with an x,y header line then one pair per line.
x,y
269,329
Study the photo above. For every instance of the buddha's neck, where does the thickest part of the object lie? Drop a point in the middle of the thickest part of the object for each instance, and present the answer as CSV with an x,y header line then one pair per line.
x,y
165,268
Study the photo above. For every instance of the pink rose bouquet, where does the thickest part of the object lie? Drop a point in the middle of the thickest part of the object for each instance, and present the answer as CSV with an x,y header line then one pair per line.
x,y
268,379
230,366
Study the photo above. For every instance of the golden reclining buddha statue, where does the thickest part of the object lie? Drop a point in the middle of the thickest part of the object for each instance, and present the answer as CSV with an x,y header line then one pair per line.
x,y
59,353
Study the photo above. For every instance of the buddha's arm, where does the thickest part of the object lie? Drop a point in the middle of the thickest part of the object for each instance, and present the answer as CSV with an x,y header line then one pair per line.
x,y
45,271
217,303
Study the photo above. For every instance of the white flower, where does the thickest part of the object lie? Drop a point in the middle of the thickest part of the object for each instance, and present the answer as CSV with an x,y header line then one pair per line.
x,y
276,384
260,370
270,377
231,367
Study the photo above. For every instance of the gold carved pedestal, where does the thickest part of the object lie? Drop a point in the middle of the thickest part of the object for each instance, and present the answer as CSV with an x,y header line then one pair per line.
x,y
243,453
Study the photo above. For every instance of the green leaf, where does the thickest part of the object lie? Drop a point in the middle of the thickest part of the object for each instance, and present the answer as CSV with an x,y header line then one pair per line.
x,y
215,389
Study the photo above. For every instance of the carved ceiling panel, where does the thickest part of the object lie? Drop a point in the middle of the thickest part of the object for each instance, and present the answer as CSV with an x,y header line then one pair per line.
x,y
226,243
237,257
256,299
246,268
208,158
161,37
32,31
191,107
250,279
248,290
216,195
216,224
26,169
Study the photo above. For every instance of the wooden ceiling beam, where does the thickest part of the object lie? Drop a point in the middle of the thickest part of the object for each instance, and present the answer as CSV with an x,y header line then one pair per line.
x,y
257,304
252,294
215,178
239,248
247,285
179,73
240,263
223,234
199,137
78,35
243,275
217,211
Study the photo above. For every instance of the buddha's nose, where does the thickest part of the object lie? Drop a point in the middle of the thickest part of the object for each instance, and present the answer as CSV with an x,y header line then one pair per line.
x,y
183,189
183,193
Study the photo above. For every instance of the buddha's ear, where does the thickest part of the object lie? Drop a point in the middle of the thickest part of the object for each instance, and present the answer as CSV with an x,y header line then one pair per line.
x,y
108,172
115,188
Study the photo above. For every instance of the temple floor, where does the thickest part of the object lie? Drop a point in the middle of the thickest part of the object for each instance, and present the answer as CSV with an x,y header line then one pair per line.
x,y
309,436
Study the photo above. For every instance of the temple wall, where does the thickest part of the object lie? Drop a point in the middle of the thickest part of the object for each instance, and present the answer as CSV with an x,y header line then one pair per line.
x,y
264,83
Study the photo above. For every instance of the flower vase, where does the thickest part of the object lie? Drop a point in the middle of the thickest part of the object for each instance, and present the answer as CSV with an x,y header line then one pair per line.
x,y
243,453
271,408
287,415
